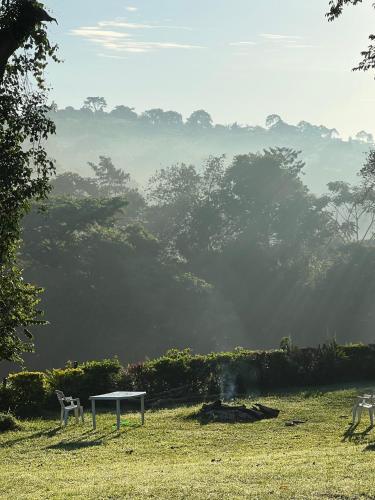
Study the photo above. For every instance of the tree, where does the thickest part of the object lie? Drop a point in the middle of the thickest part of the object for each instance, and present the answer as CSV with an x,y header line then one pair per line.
x,y
335,10
95,104
328,133
365,137
266,201
111,181
172,118
353,211
200,119
185,213
158,117
108,182
20,23
100,277
72,184
153,116
24,165
124,113
273,121
368,170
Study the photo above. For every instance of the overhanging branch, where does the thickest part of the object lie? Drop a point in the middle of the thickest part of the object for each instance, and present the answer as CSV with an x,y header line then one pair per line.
x,y
17,23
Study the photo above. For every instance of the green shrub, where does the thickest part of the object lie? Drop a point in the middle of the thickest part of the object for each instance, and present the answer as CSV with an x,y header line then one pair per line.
x,y
8,422
100,376
67,380
28,392
181,374
90,378
5,399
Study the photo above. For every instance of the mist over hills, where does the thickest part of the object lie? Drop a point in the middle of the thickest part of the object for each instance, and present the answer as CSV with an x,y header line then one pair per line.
x,y
143,143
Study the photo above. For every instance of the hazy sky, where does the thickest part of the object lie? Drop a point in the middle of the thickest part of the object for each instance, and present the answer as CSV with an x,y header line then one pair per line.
x,y
238,59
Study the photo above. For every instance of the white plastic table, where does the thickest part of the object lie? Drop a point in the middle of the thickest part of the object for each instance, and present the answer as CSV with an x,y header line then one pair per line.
x,y
118,397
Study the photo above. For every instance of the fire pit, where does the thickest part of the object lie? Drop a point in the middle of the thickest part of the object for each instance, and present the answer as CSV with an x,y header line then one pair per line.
x,y
219,412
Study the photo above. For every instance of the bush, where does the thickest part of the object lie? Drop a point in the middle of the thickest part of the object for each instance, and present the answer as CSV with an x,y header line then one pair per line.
x,y
28,392
180,374
5,399
8,422
90,378
101,376
68,380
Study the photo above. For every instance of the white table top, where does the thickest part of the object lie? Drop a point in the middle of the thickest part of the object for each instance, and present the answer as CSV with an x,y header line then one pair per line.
x,y
118,395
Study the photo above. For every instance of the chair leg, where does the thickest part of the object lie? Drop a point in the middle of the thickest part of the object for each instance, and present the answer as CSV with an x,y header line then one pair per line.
x,y
81,413
76,414
371,414
354,413
61,416
359,414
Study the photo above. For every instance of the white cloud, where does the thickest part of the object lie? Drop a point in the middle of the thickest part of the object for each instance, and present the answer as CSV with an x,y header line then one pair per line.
x,y
287,41
136,46
300,46
118,23
91,32
242,44
272,36
130,8
119,41
111,56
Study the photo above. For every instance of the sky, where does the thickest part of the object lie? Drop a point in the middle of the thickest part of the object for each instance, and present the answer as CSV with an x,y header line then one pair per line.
x,y
241,60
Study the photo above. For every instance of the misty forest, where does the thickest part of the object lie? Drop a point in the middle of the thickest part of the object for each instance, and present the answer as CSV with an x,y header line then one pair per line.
x,y
212,251
212,279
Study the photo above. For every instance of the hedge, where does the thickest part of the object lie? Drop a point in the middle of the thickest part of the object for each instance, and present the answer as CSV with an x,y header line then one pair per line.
x,y
27,392
181,374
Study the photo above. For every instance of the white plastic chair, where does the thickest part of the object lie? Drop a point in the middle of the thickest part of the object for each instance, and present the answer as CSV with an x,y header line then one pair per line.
x,y
365,402
68,404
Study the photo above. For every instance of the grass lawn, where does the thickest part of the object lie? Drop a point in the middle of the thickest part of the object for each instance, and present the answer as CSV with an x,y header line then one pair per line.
x,y
175,457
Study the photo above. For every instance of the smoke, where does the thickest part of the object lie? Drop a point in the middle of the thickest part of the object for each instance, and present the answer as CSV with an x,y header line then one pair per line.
x,y
239,381
227,385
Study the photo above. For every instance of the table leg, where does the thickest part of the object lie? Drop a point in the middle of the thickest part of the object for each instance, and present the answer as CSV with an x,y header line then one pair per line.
x,y
142,410
93,414
118,413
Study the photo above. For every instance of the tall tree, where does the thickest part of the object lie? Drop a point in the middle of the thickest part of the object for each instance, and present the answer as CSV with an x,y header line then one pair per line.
x,y
352,209
95,104
20,23
25,168
111,181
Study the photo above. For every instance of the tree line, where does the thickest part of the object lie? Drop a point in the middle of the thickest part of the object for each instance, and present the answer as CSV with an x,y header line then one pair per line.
x,y
230,253
95,107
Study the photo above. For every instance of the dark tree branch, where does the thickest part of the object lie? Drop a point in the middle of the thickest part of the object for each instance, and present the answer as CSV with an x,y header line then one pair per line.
x,y
336,8
17,23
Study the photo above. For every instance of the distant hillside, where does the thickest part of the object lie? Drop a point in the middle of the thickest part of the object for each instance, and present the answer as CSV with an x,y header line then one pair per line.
x,y
141,144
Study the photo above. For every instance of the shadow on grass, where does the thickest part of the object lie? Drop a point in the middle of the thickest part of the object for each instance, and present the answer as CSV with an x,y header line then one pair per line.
x,y
87,440
49,434
91,438
73,445
356,437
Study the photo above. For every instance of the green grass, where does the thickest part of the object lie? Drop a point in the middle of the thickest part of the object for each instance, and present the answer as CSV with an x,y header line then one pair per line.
x,y
174,457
